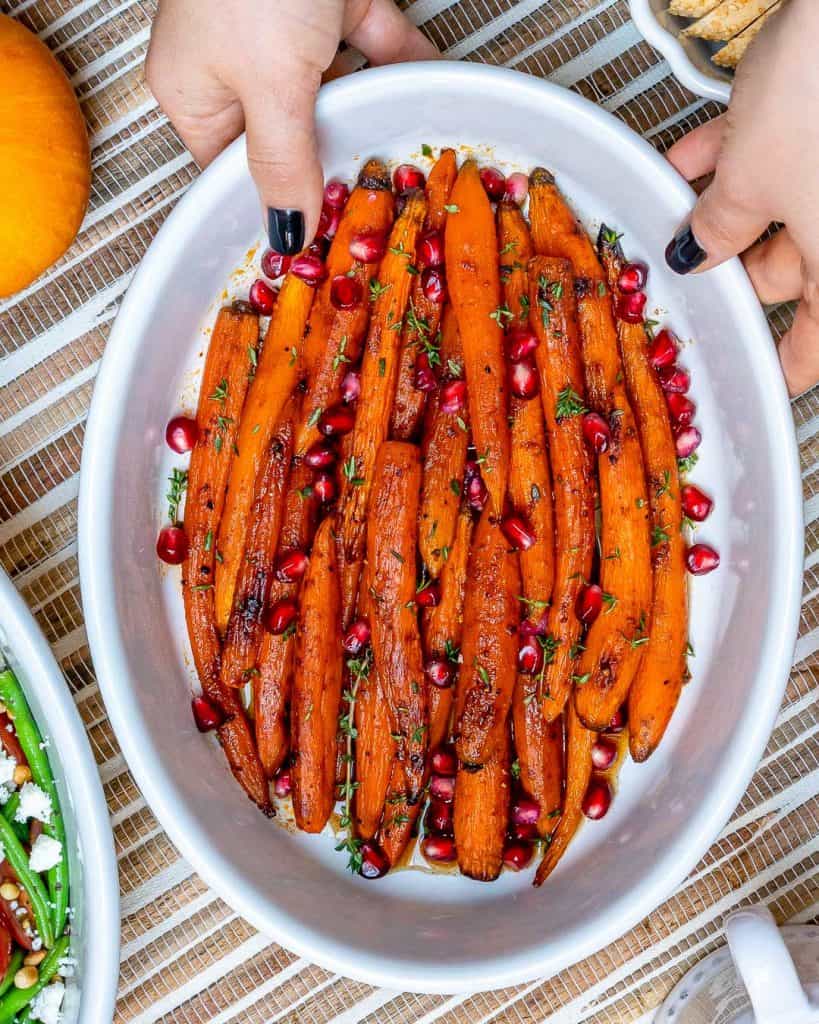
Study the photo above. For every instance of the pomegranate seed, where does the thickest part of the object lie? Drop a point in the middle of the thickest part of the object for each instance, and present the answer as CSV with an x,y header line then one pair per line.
x,y
277,617
309,266
335,194
528,628
474,487
632,278
494,183
530,657
346,292
442,787
444,761
589,603
338,419
172,545
597,800
440,849
181,434
282,786
324,487
433,285
439,673
329,220
517,855
674,379
431,249
517,532
701,559
429,595
439,818
357,637
523,833
206,714
695,504
604,754
663,351
424,378
521,342
368,247
262,297
291,566
407,177
320,455
618,722
523,380
525,811
274,264
517,185
351,386
597,432
687,440
630,307
373,862
453,396
681,407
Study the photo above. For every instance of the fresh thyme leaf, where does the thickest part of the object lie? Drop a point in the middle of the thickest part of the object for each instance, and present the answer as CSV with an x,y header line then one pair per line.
x,y
377,289
532,605
382,366
220,393
452,652
452,208
665,486
340,356
455,487
202,586
658,536
397,555
208,540
501,315
177,484
514,769
454,367
687,464
426,150
610,601
581,680
601,288
314,417
509,247
253,356
569,403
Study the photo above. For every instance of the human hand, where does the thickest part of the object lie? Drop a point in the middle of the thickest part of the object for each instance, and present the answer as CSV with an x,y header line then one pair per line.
x,y
765,155
218,66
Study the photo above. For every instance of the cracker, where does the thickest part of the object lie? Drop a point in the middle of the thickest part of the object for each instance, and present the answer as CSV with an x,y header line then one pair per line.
x,y
732,53
728,19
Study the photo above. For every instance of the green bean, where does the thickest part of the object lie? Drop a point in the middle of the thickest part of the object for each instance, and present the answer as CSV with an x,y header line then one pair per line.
x,y
28,735
15,964
21,829
18,999
30,881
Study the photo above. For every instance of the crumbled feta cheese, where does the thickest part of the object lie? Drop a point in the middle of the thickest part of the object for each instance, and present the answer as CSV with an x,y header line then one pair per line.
x,y
37,944
34,803
65,967
46,853
46,1006
7,766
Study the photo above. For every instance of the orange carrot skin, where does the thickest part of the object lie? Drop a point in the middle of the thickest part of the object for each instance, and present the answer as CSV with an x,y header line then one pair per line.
x,y
539,746
473,280
481,815
224,383
274,377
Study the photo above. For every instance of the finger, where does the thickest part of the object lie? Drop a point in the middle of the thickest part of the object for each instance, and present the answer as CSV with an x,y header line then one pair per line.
x,y
387,36
696,153
775,268
799,349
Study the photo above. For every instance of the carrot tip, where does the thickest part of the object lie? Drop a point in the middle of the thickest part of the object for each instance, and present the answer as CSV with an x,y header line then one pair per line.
x,y
541,176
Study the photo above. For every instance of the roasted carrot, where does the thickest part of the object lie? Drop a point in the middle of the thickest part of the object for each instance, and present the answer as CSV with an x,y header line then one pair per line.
x,y
481,814
473,280
224,383
659,679
579,743
444,450
391,543
614,644
275,373
539,746
489,645
389,294
317,687
420,332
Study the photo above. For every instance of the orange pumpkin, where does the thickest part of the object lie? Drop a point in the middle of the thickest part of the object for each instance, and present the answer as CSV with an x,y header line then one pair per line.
x,y
45,169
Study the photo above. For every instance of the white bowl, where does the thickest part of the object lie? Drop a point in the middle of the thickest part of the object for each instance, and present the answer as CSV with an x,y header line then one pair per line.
x,y
690,59
413,930
91,990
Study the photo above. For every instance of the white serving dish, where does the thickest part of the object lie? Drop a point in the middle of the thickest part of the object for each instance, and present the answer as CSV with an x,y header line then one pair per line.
x,y
91,991
690,59
413,930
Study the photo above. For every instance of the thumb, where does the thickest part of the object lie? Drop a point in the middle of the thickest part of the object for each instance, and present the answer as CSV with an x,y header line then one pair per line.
x,y
282,154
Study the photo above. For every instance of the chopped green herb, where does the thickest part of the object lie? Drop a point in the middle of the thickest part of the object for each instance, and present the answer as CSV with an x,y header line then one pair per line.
x,y
687,464
658,536
610,601
177,484
340,356
569,403
452,208
426,150
455,487
377,289
314,417
397,555
502,314
220,393
208,540
509,247
581,680
601,288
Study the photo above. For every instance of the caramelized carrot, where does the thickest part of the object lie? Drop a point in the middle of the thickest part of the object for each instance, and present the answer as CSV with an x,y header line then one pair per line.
x,y
224,383
420,334
489,646
539,746
481,814
659,679
317,687
275,375
474,287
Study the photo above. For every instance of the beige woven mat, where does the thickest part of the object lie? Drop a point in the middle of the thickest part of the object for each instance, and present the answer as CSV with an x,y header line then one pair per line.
x,y
185,955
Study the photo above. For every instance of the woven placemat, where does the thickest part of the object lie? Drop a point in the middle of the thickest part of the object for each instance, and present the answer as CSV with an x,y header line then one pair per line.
x,y
186,956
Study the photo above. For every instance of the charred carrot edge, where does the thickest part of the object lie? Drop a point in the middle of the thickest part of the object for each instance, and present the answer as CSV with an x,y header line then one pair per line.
x,y
659,679
489,645
391,544
481,814
317,687
224,383
444,448
390,294
420,335
275,374
562,393
398,817
539,747
473,280
579,743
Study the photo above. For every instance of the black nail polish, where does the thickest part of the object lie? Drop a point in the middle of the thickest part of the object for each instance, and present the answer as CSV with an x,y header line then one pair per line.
x,y
285,228
684,253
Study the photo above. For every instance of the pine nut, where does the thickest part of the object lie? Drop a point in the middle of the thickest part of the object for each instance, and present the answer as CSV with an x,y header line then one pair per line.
x,y
9,891
22,773
26,977
33,959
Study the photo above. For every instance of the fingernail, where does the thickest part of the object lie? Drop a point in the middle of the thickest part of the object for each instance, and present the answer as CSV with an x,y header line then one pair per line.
x,y
285,229
684,253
